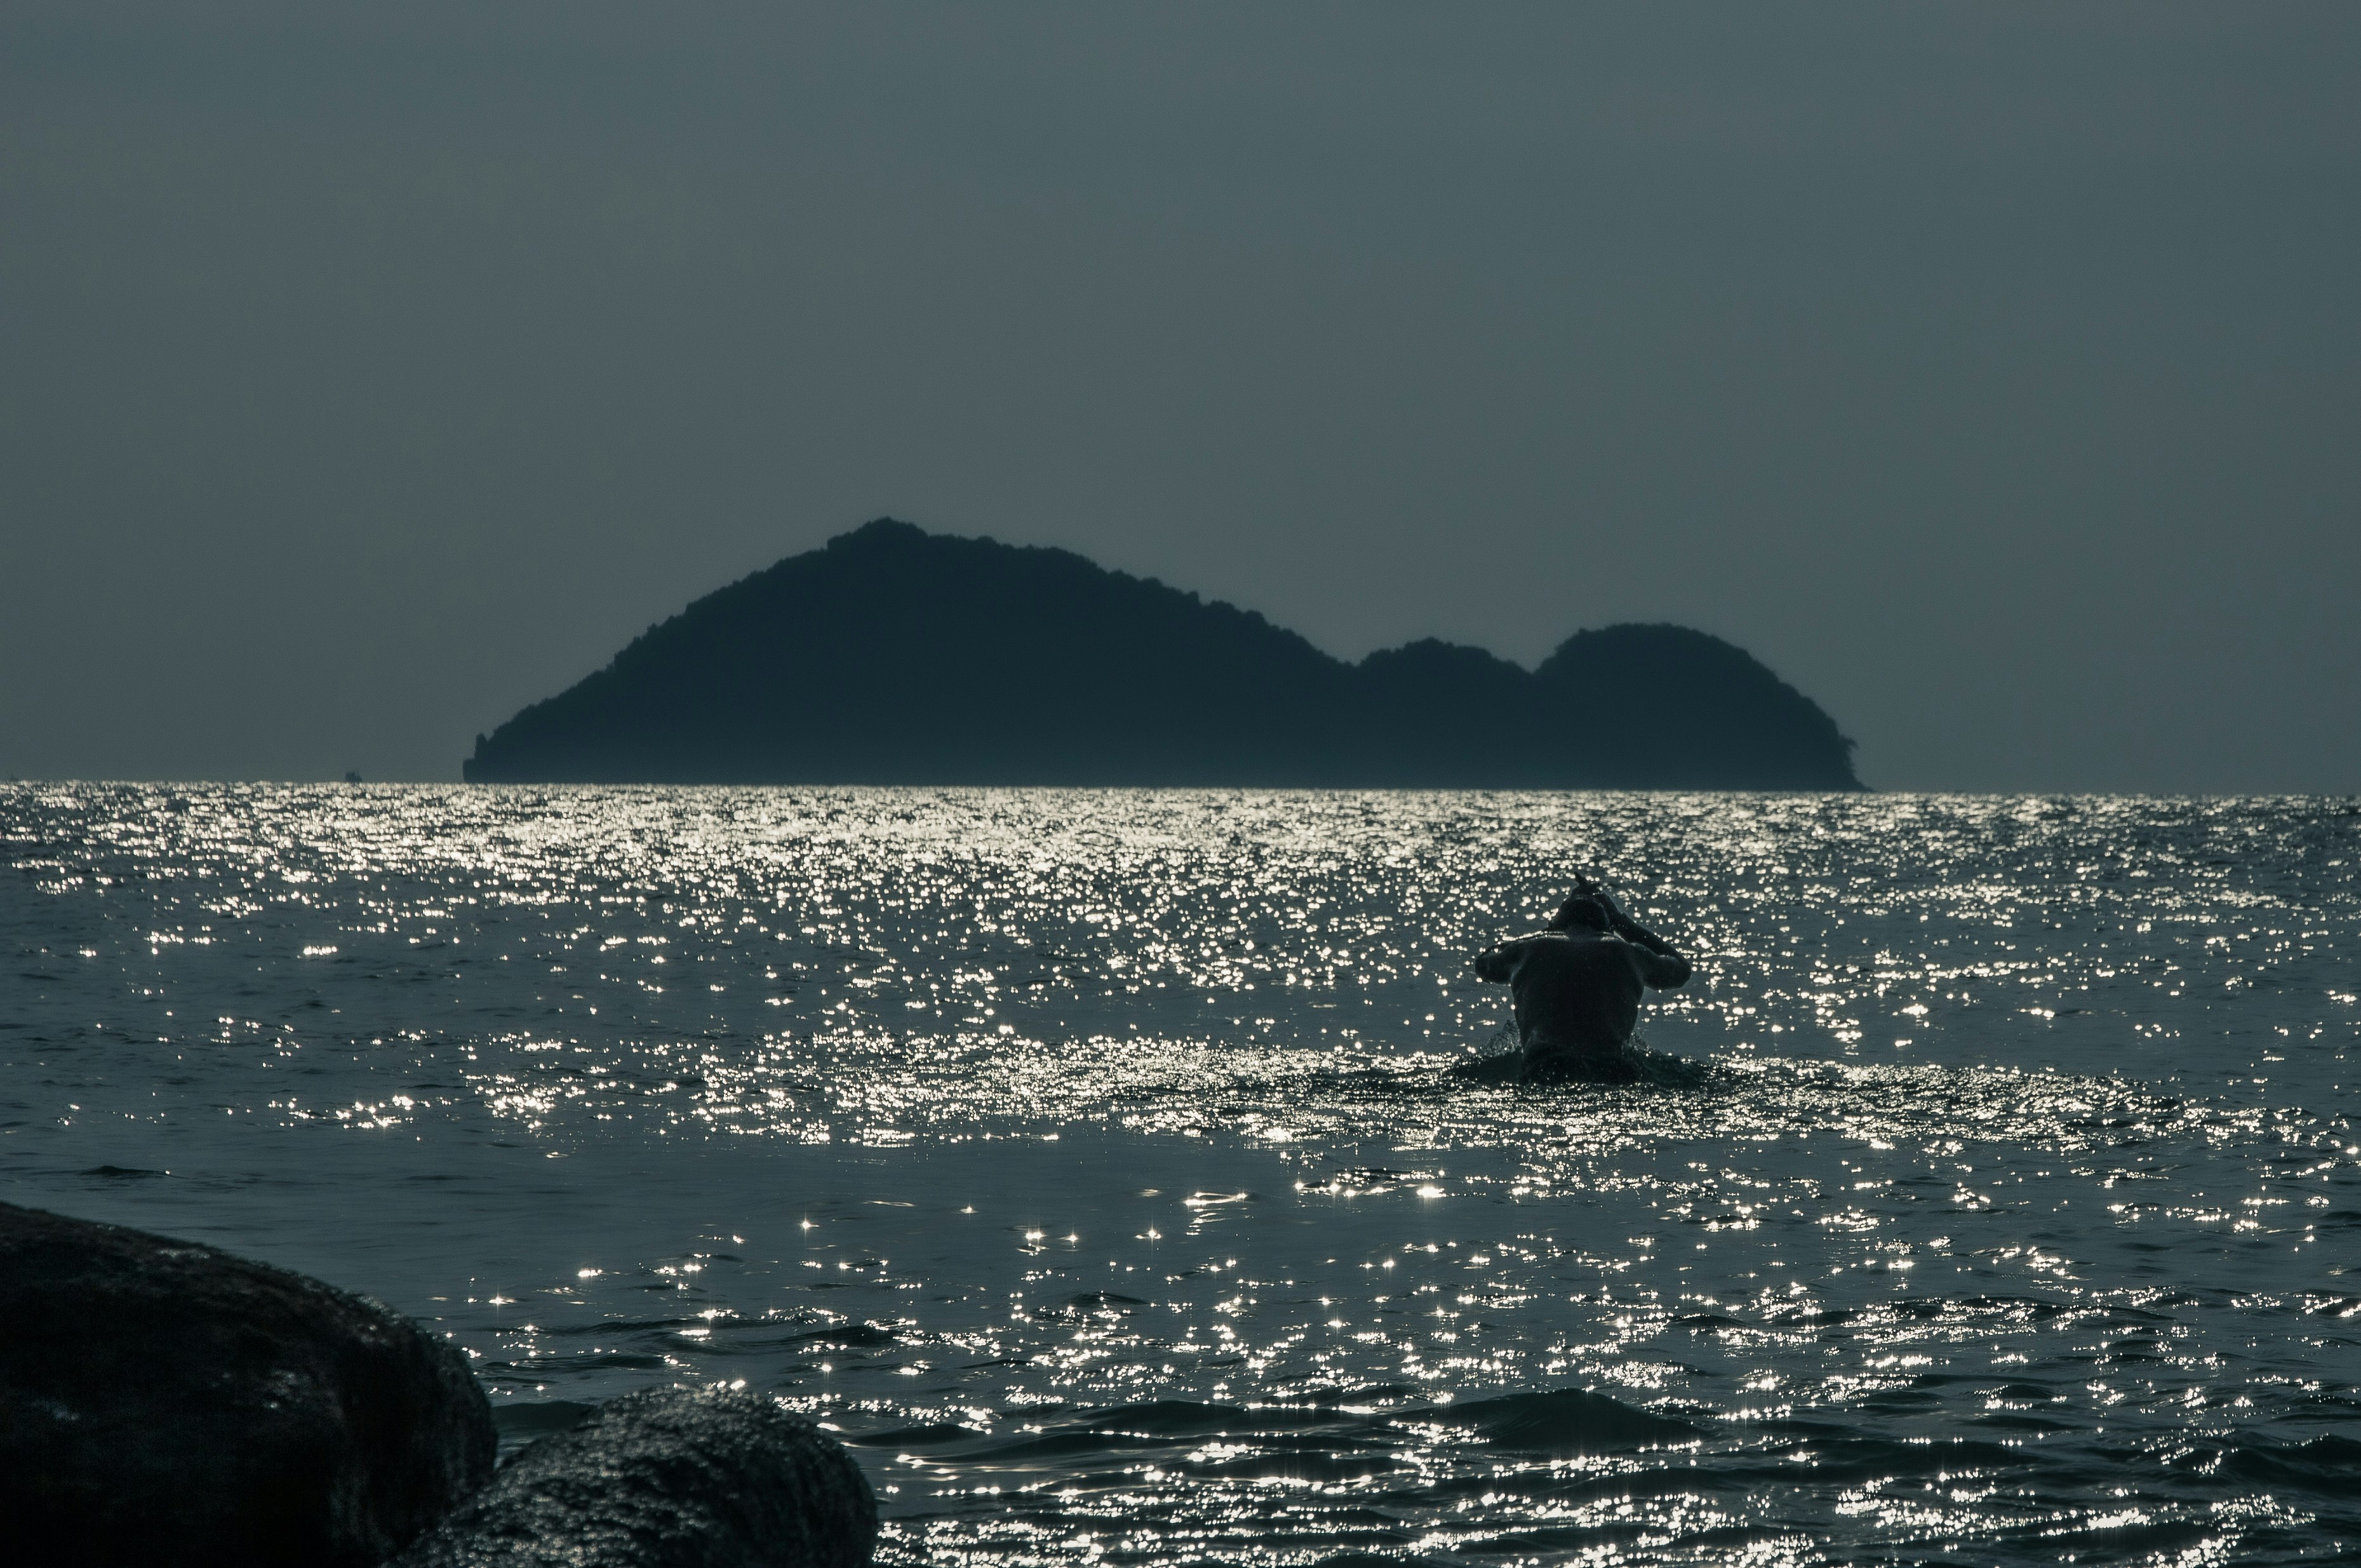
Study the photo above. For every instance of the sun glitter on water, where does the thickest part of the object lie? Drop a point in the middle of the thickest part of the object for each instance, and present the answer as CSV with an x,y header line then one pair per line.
x,y
1087,1159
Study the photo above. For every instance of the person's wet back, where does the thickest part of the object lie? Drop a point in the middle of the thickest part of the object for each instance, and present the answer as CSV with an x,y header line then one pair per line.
x,y
1577,988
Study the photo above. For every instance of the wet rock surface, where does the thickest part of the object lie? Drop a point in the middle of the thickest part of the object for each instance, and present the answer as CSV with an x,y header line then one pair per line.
x,y
668,1479
164,1402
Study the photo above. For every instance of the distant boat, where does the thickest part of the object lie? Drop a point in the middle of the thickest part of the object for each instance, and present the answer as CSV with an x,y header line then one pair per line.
x,y
351,777
896,656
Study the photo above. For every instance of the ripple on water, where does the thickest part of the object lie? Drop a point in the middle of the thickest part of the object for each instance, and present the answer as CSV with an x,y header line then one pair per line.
x,y
1089,1159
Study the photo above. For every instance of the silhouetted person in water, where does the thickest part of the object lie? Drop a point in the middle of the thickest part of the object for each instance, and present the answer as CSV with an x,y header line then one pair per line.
x,y
1578,987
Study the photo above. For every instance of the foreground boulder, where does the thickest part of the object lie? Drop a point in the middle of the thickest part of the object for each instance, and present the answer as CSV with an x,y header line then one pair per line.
x,y
668,1479
163,1403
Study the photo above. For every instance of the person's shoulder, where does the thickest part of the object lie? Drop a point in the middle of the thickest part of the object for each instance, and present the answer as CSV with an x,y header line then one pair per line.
x,y
1614,948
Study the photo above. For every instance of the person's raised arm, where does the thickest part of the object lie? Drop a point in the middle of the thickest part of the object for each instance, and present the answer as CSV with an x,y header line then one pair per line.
x,y
1498,964
1663,969
1631,930
1660,964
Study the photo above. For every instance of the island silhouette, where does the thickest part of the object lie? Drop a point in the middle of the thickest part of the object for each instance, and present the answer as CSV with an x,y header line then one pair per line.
x,y
895,656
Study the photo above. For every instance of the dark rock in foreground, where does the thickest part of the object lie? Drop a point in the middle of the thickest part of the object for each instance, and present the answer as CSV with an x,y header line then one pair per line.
x,y
668,1479
162,1402
895,657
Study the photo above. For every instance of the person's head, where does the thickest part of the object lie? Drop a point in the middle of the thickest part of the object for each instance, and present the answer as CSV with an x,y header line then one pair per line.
x,y
1582,912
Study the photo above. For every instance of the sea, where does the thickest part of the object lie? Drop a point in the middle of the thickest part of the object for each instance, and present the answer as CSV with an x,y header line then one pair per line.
x,y
1089,1161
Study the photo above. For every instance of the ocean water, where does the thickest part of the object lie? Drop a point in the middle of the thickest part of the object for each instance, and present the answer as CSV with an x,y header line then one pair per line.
x,y
1088,1161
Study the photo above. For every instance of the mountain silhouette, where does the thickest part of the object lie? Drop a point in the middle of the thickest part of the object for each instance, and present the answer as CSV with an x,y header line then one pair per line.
x,y
895,656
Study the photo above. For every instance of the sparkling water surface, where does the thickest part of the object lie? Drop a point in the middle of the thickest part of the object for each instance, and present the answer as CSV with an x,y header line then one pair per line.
x,y
1086,1159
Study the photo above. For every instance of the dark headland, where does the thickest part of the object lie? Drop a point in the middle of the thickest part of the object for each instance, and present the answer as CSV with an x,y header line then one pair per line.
x,y
892,655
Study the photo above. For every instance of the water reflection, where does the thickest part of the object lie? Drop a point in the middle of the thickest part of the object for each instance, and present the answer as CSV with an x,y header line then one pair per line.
x,y
1086,1157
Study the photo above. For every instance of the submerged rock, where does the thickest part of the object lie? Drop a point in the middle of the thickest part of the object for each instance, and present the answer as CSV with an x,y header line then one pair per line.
x,y
164,1402
668,1479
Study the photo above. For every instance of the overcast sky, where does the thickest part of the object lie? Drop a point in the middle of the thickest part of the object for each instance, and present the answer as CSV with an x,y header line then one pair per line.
x,y
1992,372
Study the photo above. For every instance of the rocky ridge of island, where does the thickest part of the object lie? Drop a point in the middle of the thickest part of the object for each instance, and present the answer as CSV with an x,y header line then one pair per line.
x,y
895,657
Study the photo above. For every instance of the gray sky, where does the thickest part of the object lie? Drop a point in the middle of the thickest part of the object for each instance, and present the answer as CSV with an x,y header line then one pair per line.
x,y
1991,371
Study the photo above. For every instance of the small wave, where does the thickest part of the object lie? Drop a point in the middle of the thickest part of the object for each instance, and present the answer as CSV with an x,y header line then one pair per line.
x,y
1639,1064
2327,1464
1564,1420
520,1421
857,1336
930,1434
1319,1440
1664,1071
